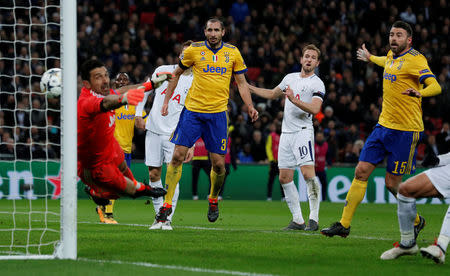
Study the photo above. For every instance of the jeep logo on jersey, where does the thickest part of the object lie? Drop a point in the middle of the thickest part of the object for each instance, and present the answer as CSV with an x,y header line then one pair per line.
x,y
211,69
125,117
390,77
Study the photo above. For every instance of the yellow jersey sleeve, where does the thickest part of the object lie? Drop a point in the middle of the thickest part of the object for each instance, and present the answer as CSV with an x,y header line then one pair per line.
x,y
409,70
187,58
239,66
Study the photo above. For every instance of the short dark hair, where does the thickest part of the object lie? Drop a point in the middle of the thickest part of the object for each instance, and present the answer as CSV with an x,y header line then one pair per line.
x,y
213,20
403,25
88,66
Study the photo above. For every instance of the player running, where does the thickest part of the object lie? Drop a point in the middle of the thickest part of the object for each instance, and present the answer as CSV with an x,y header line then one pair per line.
x,y
101,163
434,182
400,126
158,148
305,91
213,62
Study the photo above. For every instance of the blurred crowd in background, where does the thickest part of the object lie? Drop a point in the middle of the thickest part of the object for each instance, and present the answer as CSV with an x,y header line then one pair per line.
x,y
138,36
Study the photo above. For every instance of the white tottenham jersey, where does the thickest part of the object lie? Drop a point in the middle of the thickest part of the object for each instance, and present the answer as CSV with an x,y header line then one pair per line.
x,y
157,123
304,89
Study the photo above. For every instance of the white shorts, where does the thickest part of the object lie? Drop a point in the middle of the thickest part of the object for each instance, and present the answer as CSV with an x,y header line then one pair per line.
x,y
296,149
158,149
440,178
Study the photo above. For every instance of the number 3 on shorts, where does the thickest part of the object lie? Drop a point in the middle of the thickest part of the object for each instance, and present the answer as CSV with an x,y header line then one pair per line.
x,y
224,144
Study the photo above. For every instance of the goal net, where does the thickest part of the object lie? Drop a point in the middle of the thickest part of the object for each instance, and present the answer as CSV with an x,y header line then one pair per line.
x,y
38,139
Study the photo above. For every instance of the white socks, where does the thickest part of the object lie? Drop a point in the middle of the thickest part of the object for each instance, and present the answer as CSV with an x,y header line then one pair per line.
x,y
406,212
313,188
158,202
293,202
444,235
174,201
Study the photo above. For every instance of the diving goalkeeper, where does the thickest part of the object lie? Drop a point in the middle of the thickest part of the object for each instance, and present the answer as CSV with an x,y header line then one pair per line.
x,y
101,163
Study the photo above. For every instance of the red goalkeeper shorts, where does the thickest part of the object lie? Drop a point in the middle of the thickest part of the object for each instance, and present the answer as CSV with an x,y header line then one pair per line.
x,y
106,180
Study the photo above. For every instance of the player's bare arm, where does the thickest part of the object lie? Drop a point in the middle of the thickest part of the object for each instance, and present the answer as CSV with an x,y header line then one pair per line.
x,y
266,93
432,89
244,91
139,122
170,88
312,107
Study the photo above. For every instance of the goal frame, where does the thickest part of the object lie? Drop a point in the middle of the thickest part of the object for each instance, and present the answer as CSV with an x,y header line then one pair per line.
x,y
67,246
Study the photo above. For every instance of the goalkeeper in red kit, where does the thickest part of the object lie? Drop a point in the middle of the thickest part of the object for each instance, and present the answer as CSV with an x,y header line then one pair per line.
x,y
101,163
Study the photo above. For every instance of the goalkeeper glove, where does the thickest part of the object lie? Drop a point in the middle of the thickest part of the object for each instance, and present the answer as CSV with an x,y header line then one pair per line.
x,y
156,81
160,78
132,96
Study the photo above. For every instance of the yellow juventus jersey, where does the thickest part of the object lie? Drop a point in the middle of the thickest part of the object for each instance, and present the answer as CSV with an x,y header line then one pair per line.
x,y
212,71
409,70
124,131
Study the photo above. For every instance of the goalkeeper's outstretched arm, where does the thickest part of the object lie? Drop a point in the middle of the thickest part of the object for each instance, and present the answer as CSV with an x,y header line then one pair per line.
x,y
132,97
266,93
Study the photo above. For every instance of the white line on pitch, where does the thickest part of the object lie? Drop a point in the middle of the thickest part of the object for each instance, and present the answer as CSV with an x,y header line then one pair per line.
x,y
244,230
176,267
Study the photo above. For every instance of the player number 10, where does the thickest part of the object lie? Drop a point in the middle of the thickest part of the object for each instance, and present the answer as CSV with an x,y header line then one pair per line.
x,y
402,167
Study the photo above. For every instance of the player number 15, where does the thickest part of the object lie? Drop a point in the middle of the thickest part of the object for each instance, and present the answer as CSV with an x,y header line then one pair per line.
x,y
402,167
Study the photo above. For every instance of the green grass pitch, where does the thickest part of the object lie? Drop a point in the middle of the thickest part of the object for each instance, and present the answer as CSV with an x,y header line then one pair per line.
x,y
246,240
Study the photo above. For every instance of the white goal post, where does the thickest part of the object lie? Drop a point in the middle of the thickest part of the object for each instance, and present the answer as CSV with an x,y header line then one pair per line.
x,y
36,214
68,245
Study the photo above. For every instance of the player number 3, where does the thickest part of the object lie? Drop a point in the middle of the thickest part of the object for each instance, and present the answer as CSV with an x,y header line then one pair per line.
x,y
224,144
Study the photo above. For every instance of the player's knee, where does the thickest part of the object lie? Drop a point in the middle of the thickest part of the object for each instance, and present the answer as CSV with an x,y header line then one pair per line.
x,y
218,167
403,190
407,190
284,179
177,159
362,172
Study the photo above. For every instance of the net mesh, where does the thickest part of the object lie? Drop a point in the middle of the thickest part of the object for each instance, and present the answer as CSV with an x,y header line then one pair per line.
x,y
29,128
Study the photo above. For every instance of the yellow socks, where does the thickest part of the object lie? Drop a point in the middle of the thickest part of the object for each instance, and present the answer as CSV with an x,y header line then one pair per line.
x,y
173,175
110,206
354,197
417,220
216,183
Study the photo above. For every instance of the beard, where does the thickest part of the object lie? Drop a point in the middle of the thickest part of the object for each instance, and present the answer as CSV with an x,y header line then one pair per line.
x,y
400,48
308,69
214,44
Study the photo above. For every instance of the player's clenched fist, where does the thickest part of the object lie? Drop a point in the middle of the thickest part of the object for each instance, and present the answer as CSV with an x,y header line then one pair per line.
x,y
253,113
165,109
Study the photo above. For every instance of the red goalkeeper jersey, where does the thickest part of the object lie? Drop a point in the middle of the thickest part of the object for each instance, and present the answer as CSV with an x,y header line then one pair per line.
x,y
96,142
